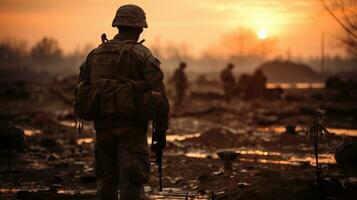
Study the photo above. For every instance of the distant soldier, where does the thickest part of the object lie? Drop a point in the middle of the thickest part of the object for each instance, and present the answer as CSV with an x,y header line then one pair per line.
x,y
259,82
228,82
123,72
181,84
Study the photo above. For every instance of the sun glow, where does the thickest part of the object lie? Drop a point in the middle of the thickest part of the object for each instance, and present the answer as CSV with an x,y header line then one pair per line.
x,y
262,34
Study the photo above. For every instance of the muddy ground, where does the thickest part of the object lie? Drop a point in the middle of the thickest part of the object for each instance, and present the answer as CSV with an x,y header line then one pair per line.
x,y
57,162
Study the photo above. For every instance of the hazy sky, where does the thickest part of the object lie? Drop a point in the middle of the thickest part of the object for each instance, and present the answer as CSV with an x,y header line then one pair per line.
x,y
200,24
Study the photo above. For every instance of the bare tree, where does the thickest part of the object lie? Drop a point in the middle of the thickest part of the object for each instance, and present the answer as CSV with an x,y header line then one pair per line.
x,y
46,50
345,13
13,52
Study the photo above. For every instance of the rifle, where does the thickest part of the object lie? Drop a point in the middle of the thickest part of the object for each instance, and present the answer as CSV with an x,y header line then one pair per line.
x,y
158,150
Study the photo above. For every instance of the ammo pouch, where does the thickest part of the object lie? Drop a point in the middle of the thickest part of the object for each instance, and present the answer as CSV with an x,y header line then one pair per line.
x,y
116,98
105,98
85,102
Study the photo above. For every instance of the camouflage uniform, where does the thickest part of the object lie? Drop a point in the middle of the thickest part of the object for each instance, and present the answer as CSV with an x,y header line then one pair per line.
x,y
228,82
181,84
121,148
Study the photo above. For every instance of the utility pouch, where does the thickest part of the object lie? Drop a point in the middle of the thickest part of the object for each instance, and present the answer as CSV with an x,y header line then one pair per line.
x,y
124,100
107,104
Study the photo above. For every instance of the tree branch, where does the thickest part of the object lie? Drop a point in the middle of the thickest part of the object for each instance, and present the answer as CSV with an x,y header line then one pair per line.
x,y
339,21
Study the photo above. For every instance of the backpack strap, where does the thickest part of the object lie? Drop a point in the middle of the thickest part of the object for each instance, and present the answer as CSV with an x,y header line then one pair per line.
x,y
125,43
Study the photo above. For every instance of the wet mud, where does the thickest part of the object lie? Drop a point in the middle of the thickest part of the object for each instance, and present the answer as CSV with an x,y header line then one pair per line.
x,y
272,163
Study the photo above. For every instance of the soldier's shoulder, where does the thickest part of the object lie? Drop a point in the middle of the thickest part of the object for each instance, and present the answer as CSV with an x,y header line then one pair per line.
x,y
91,54
144,53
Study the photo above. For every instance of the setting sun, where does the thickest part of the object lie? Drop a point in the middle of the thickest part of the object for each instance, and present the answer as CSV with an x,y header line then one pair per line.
x,y
262,34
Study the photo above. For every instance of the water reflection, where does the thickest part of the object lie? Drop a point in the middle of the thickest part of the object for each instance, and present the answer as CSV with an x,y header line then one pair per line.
x,y
85,141
78,191
339,131
270,161
72,124
260,156
32,132
24,188
299,86
199,155
323,159
169,138
259,152
176,137
282,129
172,138
202,154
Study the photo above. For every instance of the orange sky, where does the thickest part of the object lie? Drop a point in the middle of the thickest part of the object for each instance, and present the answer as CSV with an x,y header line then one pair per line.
x,y
200,24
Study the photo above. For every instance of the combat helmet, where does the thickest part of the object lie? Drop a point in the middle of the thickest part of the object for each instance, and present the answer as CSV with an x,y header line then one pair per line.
x,y
130,15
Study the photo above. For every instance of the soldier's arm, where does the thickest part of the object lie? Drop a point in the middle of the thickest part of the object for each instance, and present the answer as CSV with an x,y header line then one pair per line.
x,y
154,77
85,68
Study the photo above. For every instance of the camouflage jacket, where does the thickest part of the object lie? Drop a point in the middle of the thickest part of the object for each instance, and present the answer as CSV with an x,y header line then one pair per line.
x,y
143,69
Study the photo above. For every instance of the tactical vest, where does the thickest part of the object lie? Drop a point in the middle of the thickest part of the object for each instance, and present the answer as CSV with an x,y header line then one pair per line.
x,y
110,91
115,91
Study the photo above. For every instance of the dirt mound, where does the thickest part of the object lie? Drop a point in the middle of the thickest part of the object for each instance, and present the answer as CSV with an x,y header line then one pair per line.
x,y
288,72
293,189
216,138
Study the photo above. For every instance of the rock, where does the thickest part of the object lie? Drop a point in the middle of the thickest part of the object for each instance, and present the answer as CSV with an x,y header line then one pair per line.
x,y
346,152
11,137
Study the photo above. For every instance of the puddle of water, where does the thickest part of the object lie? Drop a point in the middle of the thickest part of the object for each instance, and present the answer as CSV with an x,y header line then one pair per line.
x,y
278,129
15,190
85,141
270,161
299,86
176,137
339,131
78,191
281,129
87,126
323,159
295,161
169,138
172,138
32,132
199,155
279,158
259,152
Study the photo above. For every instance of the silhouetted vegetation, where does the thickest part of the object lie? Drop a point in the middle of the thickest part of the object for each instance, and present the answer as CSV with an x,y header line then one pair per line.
x,y
45,56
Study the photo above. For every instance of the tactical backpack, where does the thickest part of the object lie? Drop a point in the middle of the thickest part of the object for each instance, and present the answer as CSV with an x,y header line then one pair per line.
x,y
102,92
85,103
